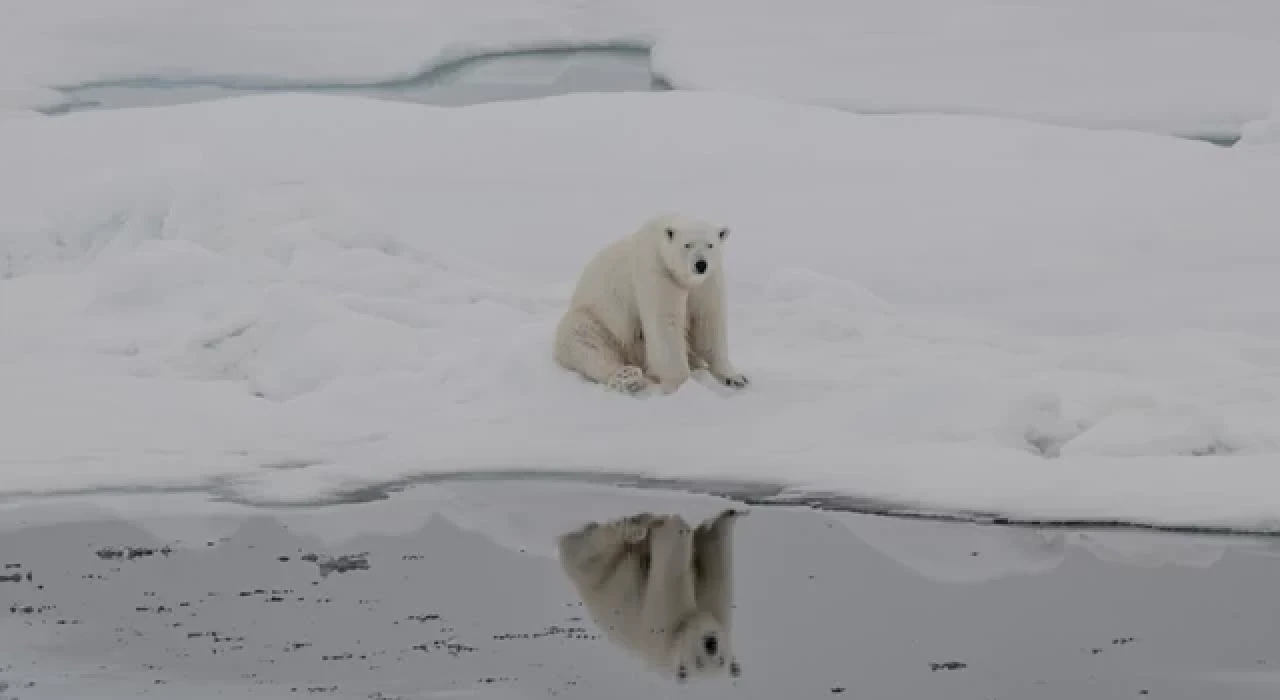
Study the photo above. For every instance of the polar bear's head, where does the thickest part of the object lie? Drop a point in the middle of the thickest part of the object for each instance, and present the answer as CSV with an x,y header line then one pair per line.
x,y
690,249
701,648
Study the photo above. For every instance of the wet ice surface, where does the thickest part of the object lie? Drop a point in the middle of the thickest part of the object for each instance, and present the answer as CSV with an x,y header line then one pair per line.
x,y
453,591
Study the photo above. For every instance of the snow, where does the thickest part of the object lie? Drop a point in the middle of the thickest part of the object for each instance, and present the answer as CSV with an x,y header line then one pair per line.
x,y
286,297
1264,131
1171,66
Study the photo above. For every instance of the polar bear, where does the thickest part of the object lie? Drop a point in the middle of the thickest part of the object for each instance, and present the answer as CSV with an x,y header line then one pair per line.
x,y
659,588
650,308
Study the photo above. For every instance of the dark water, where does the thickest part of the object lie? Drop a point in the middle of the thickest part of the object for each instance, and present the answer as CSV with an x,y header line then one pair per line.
x,y
453,591
487,78
511,76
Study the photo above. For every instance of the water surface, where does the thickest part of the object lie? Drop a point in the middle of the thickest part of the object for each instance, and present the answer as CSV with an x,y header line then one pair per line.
x,y
452,590
509,76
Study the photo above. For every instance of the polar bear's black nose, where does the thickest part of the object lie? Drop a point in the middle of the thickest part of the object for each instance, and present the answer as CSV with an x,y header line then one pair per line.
x,y
700,267
710,643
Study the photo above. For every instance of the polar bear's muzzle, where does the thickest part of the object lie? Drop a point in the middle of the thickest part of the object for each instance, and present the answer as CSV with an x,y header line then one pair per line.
x,y
700,266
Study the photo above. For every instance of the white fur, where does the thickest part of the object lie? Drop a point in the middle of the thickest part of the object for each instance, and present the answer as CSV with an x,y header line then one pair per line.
x,y
659,588
641,314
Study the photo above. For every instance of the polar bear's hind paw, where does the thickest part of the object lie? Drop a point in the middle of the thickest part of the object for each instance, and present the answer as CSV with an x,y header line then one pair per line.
x,y
635,530
628,380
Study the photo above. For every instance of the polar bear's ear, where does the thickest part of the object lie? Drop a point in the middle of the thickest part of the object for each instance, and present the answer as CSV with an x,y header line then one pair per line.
x,y
724,233
671,234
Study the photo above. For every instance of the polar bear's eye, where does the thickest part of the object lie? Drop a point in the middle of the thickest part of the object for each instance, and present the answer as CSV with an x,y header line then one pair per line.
x,y
688,245
724,233
671,234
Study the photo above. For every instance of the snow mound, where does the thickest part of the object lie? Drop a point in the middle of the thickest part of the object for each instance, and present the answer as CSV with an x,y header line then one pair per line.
x,y
1263,131
292,296
1172,66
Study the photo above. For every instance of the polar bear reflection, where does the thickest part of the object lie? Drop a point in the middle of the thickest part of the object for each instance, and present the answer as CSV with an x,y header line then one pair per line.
x,y
659,588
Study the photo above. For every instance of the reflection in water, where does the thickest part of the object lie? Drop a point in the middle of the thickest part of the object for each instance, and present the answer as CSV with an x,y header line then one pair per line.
x,y
458,589
975,553
960,552
659,588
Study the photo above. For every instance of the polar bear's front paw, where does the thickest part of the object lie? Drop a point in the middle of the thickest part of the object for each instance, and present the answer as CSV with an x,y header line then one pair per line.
x,y
628,380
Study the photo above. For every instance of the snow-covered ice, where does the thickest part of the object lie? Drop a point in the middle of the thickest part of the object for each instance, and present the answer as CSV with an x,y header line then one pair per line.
x,y
1187,67
290,295
1265,131
1172,66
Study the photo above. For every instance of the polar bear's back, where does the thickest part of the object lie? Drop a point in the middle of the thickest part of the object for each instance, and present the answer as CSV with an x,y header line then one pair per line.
x,y
606,291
